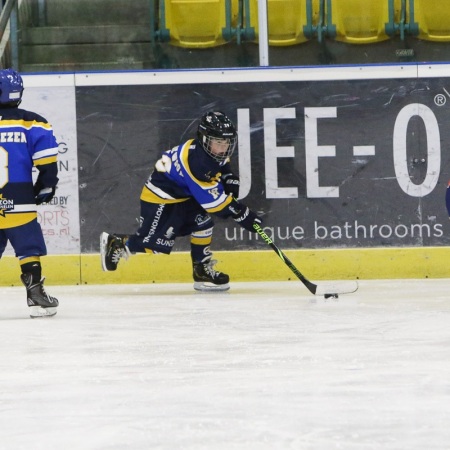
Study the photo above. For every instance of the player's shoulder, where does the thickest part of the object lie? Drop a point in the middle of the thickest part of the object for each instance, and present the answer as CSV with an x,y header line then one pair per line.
x,y
32,116
21,114
202,166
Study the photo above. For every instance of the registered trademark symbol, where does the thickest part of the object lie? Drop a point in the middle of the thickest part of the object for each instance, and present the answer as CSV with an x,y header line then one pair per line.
x,y
440,100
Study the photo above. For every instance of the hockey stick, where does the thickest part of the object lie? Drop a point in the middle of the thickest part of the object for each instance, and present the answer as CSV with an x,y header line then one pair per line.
x,y
328,290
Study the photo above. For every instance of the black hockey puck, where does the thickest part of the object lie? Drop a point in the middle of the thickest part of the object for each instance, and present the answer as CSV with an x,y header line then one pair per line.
x,y
331,296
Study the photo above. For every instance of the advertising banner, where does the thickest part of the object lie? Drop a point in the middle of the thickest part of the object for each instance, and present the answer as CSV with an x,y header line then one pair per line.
x,y
59,219
359,163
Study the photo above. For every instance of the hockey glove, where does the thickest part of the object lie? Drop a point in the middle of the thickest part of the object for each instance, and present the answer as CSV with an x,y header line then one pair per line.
x,y
231,184
246,218
44,195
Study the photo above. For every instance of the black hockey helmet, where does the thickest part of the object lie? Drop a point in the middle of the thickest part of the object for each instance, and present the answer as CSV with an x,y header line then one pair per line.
x,y
11,87
216,126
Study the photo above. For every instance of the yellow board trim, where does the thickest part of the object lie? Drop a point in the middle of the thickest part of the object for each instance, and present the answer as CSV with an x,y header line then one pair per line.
x,y
257,265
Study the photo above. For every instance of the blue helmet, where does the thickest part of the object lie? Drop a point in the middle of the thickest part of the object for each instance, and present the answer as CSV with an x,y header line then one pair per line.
x,y
11,87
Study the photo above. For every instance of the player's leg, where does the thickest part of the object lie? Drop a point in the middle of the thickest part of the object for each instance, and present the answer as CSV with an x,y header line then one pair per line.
x,y
3,241
112,248
29,245
206,277
156,234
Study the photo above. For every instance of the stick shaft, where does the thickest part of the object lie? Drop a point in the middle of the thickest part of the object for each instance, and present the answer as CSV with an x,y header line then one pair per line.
x,y
310,286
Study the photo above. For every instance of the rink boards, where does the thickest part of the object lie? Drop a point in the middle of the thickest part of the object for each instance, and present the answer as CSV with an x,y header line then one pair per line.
x,y
261,265
348,166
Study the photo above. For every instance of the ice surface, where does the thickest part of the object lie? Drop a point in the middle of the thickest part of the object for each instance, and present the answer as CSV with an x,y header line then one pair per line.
x,y
263,366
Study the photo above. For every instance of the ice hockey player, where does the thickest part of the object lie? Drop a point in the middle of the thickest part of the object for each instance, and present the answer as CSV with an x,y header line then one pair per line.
x,y
27,140
188,184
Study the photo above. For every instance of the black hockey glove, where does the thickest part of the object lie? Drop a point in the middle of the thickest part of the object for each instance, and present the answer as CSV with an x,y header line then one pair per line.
x,y
245,217
43,194
231,184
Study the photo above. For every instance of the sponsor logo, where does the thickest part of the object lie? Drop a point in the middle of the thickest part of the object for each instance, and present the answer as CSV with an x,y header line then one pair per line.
x,y
214,192
155,222
165,243
202,219
169,234
5,205
243,217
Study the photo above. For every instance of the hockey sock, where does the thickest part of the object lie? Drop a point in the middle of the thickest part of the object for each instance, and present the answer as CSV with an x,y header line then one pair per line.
x,y
32,265
200,242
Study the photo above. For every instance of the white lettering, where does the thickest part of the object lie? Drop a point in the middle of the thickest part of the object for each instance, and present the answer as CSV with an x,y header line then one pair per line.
x,y
433,150
272,152
313,151
13,136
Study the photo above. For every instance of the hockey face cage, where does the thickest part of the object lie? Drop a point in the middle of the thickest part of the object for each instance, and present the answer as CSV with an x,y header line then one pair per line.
x,y
217,135
219,149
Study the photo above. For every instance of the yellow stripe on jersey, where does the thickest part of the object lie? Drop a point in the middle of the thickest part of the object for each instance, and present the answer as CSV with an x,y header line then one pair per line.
x,y
16,219
221,206
184,160
48,160
150,197
24,124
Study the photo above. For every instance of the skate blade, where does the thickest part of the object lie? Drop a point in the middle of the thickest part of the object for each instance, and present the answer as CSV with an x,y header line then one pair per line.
x,y
210,287
39,311
103,243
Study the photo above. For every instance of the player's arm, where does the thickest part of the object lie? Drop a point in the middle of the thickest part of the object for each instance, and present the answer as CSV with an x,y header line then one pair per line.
x,y
241,214
45,160
210,193
47,180
214,200
230,181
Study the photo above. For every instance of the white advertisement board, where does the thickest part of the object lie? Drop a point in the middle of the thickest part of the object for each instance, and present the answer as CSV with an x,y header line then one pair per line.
x,y
53,97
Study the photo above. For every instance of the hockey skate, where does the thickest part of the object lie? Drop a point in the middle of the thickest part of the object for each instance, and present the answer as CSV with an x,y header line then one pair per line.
x,y
40,303
206,278
112,248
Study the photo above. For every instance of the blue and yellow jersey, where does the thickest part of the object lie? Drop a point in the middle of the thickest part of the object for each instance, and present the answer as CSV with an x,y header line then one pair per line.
x,y
26,140
186,172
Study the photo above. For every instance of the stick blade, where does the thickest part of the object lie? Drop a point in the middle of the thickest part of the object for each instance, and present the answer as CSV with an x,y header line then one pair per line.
x,y
340,287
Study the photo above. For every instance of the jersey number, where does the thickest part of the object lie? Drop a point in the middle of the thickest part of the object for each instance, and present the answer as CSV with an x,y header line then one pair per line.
x,y
4,178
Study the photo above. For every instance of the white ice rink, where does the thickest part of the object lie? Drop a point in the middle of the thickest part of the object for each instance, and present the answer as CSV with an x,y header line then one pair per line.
x,y
264,366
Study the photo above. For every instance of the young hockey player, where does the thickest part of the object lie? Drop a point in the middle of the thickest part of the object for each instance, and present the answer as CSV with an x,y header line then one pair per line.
x,y
188,183
27,140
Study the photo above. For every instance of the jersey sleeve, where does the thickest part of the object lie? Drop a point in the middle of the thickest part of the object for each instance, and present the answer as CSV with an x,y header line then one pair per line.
x,y
44,153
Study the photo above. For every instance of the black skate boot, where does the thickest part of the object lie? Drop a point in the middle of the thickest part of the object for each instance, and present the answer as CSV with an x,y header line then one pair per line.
x,y
40,303
112,248
206,278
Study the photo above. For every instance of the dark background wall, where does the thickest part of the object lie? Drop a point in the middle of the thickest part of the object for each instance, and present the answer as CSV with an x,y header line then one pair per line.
x,y
122,130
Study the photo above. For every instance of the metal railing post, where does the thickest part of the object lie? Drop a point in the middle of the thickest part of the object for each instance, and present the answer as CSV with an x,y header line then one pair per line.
x,y
263,27
14,36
